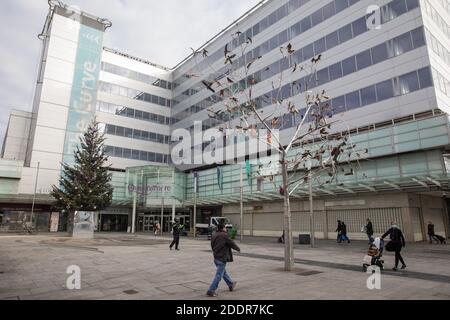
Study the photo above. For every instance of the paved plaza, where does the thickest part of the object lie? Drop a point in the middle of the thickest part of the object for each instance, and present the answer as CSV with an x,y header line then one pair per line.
x,y
122,266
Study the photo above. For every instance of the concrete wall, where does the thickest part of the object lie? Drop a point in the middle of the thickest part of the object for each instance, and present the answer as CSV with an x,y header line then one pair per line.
x,y
266,218
16,138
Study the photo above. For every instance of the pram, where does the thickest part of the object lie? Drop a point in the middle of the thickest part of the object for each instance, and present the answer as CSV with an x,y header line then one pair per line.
x,y
373,257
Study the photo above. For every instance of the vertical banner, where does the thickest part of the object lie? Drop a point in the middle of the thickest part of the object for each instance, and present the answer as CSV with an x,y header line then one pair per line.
x,y
248,169
195,182
84,88
220,177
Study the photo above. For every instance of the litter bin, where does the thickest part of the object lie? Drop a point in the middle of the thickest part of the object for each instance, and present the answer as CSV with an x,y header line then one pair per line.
x,y
304,239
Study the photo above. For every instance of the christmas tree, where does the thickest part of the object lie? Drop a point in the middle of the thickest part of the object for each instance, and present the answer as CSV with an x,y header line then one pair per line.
x,y
85,186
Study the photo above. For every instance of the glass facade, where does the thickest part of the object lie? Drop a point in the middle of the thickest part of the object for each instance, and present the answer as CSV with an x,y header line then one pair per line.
x,y
340,36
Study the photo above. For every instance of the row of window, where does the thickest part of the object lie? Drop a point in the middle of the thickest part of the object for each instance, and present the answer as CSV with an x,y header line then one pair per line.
x,y
438,47
130,74
391,48
398,86
280,39
136,134
133,94
441,82
136,154
437,18
132,113
340,36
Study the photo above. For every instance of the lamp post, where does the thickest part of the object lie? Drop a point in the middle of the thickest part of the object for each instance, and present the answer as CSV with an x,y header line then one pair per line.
x,y
311,210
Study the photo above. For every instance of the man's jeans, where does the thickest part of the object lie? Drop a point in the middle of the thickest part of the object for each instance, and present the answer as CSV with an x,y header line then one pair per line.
x,y
221,273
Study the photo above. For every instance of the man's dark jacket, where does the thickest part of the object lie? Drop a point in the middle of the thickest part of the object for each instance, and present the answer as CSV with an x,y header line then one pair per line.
x,y
221,245
369,228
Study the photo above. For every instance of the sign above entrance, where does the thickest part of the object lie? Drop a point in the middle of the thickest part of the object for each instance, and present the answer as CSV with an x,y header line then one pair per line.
x,y
149,189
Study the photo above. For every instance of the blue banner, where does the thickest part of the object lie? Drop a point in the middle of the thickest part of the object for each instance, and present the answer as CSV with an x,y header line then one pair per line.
x,y
84,88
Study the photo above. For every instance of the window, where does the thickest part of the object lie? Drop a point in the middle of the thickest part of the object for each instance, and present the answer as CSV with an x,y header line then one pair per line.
x,y
109,151
159,158
135,154
425,78
340,5
127,153
338,104
409,83
328,11
137,134
143,156
296,29
363,59
118,152
379,53
308,52
335,71
349,66
317,17
120,131
130,113
319,46
359,26
397,8
418,37
345,33
368,95
110,129
128,133
332,40
402,44
322,76
385,90
411,4
306,23
352,100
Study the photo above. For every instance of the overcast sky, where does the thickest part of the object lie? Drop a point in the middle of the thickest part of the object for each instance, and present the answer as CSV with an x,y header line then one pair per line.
x,y
160,31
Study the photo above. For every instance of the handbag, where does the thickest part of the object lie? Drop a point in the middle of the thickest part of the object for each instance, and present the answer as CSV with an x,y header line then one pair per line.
x,y
390,246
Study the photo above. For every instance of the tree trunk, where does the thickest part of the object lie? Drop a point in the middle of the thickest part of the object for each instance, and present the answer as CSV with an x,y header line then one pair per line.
x,y
288,240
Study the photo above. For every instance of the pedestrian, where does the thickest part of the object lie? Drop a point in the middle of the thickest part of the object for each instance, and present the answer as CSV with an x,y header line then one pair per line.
x,y
396,244
339,230
369,230
431,234
157,228
344,236
221,245
176,230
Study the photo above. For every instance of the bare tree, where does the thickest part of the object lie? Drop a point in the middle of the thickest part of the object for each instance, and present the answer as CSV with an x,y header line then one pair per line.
x,y
311,153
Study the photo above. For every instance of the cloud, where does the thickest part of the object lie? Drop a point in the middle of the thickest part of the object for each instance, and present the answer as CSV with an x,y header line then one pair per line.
x,y
160,31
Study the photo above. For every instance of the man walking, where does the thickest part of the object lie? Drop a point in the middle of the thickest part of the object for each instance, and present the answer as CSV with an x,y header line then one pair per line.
x,y
221,245
431,234
369,230
176,230
396,244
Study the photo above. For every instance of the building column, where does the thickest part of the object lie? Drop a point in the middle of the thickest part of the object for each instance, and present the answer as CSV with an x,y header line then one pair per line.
x,y
408,227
